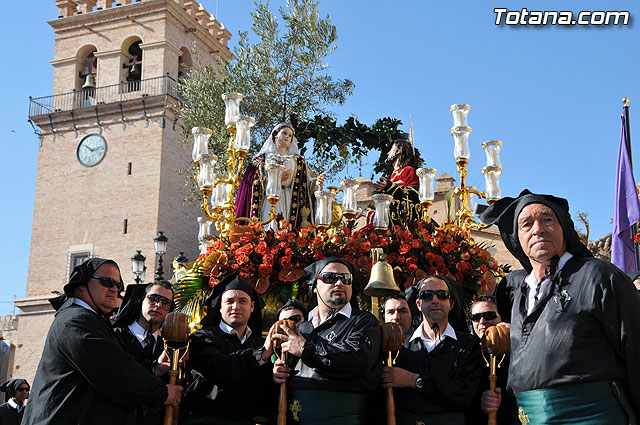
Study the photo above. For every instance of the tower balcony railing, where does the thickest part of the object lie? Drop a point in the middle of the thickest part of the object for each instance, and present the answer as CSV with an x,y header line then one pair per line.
x,y
91,97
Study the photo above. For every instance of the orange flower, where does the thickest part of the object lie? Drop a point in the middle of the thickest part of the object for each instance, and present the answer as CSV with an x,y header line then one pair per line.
x,y
301,242
247,237
318,255
316,243
242,259
412,268
281,234
465,255
291,237
285,262
268,259
247,249
262,248
335,239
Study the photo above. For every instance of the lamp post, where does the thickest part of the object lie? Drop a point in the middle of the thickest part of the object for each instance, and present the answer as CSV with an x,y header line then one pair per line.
x,y
138,267
161,248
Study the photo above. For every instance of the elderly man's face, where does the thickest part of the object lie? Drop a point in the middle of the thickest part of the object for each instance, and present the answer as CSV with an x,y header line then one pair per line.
x,y
337,294
396,310
96,293
540,233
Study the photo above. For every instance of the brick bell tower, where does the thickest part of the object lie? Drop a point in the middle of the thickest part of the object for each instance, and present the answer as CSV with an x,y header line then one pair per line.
x,y
107,178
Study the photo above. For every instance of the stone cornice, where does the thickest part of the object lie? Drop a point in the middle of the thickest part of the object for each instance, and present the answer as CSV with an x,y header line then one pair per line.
x,y
163,43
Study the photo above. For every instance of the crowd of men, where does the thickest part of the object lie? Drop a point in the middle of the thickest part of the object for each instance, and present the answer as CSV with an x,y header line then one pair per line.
x,y
575,345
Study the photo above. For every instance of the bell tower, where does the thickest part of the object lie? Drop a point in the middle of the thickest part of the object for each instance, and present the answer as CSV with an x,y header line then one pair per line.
x,y
107,179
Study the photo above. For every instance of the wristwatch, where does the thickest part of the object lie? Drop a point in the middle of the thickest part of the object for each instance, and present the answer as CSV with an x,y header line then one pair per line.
x,y
419,383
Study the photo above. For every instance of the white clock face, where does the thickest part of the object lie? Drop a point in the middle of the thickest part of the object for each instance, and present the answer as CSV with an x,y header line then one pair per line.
x,y
91,150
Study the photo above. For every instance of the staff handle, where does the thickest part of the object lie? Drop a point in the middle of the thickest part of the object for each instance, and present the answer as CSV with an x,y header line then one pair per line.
x,y
282,400
173,379
493,416
391,405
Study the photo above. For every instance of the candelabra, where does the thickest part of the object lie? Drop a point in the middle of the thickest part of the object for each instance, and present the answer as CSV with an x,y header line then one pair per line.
x,y
460,132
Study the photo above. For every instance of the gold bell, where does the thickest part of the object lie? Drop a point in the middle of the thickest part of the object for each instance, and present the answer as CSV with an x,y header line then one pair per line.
x,y
381,283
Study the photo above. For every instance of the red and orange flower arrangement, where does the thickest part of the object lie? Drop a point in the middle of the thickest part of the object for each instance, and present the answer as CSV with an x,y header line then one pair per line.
x,y
274,262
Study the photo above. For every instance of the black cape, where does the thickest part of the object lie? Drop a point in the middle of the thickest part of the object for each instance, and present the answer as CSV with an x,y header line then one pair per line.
x,y
450,375
84,375
9,415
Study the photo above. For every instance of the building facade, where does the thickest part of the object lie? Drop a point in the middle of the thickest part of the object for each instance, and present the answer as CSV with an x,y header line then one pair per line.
x,y
107,179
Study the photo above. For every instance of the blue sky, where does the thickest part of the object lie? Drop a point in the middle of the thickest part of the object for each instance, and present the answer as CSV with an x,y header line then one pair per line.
x,y
551,94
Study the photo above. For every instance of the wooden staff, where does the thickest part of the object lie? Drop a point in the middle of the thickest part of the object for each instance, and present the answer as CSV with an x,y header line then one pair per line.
x,y
495,341
282,399
392,338
175,332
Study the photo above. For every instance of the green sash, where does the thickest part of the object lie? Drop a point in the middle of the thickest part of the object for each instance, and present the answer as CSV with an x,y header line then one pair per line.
x,y
592,403
327,407
447,418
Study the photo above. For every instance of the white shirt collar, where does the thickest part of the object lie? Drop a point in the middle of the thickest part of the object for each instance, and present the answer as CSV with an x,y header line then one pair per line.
x,y
15,405
431,344
533,283
314,315
141,333
81,303
230,331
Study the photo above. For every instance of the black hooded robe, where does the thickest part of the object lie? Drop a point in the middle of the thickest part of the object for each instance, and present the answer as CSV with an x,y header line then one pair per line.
x,y
85,377
9,415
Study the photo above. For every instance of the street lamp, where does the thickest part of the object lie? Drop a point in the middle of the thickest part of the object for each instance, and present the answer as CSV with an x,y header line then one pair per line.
x,y
138,267
161,249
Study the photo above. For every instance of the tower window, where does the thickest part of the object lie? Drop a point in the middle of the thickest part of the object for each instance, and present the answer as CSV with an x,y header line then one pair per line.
x,y
129,169
133,68
125,227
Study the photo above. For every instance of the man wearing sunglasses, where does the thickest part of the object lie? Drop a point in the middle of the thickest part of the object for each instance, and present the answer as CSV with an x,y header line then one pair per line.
x,y
575,333
293,310
84,375
336,353
438,370
17,392
484,314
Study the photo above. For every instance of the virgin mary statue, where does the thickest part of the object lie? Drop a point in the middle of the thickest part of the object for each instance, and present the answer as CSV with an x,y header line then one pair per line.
x,y
295,189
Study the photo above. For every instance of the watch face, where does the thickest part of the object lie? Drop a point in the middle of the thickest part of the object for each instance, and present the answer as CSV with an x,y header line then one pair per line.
x,y
91,150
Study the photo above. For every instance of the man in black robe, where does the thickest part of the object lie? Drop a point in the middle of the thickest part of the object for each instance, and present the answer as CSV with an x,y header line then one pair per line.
x,y
229,374
84,375
484,314
438,369
575,334
336,353
137,324
17,392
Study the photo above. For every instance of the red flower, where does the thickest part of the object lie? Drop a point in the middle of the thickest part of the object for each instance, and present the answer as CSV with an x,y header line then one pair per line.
x,y
465,255
274,250
301,242
373,238
285,262
415,243
242,259
264,270
318,255
317,243
412,260
406,236
412,268
281,234
262,248
383,241
234,246
335,239
288,252
247,237
464,267
459,277
404,248
247,249
365,247
346,232
401,259
304,233
268,259
447,247
291,237
483,269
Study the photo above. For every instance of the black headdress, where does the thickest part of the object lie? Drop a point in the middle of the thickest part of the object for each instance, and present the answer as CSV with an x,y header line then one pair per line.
x,y
505,214
79,277
214,300
312,271
11,387
293,303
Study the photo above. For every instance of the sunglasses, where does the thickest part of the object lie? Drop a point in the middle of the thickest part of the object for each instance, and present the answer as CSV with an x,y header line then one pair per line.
x,y
296,318
23,389
428,294
107,282
331,278
488,315
159,299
